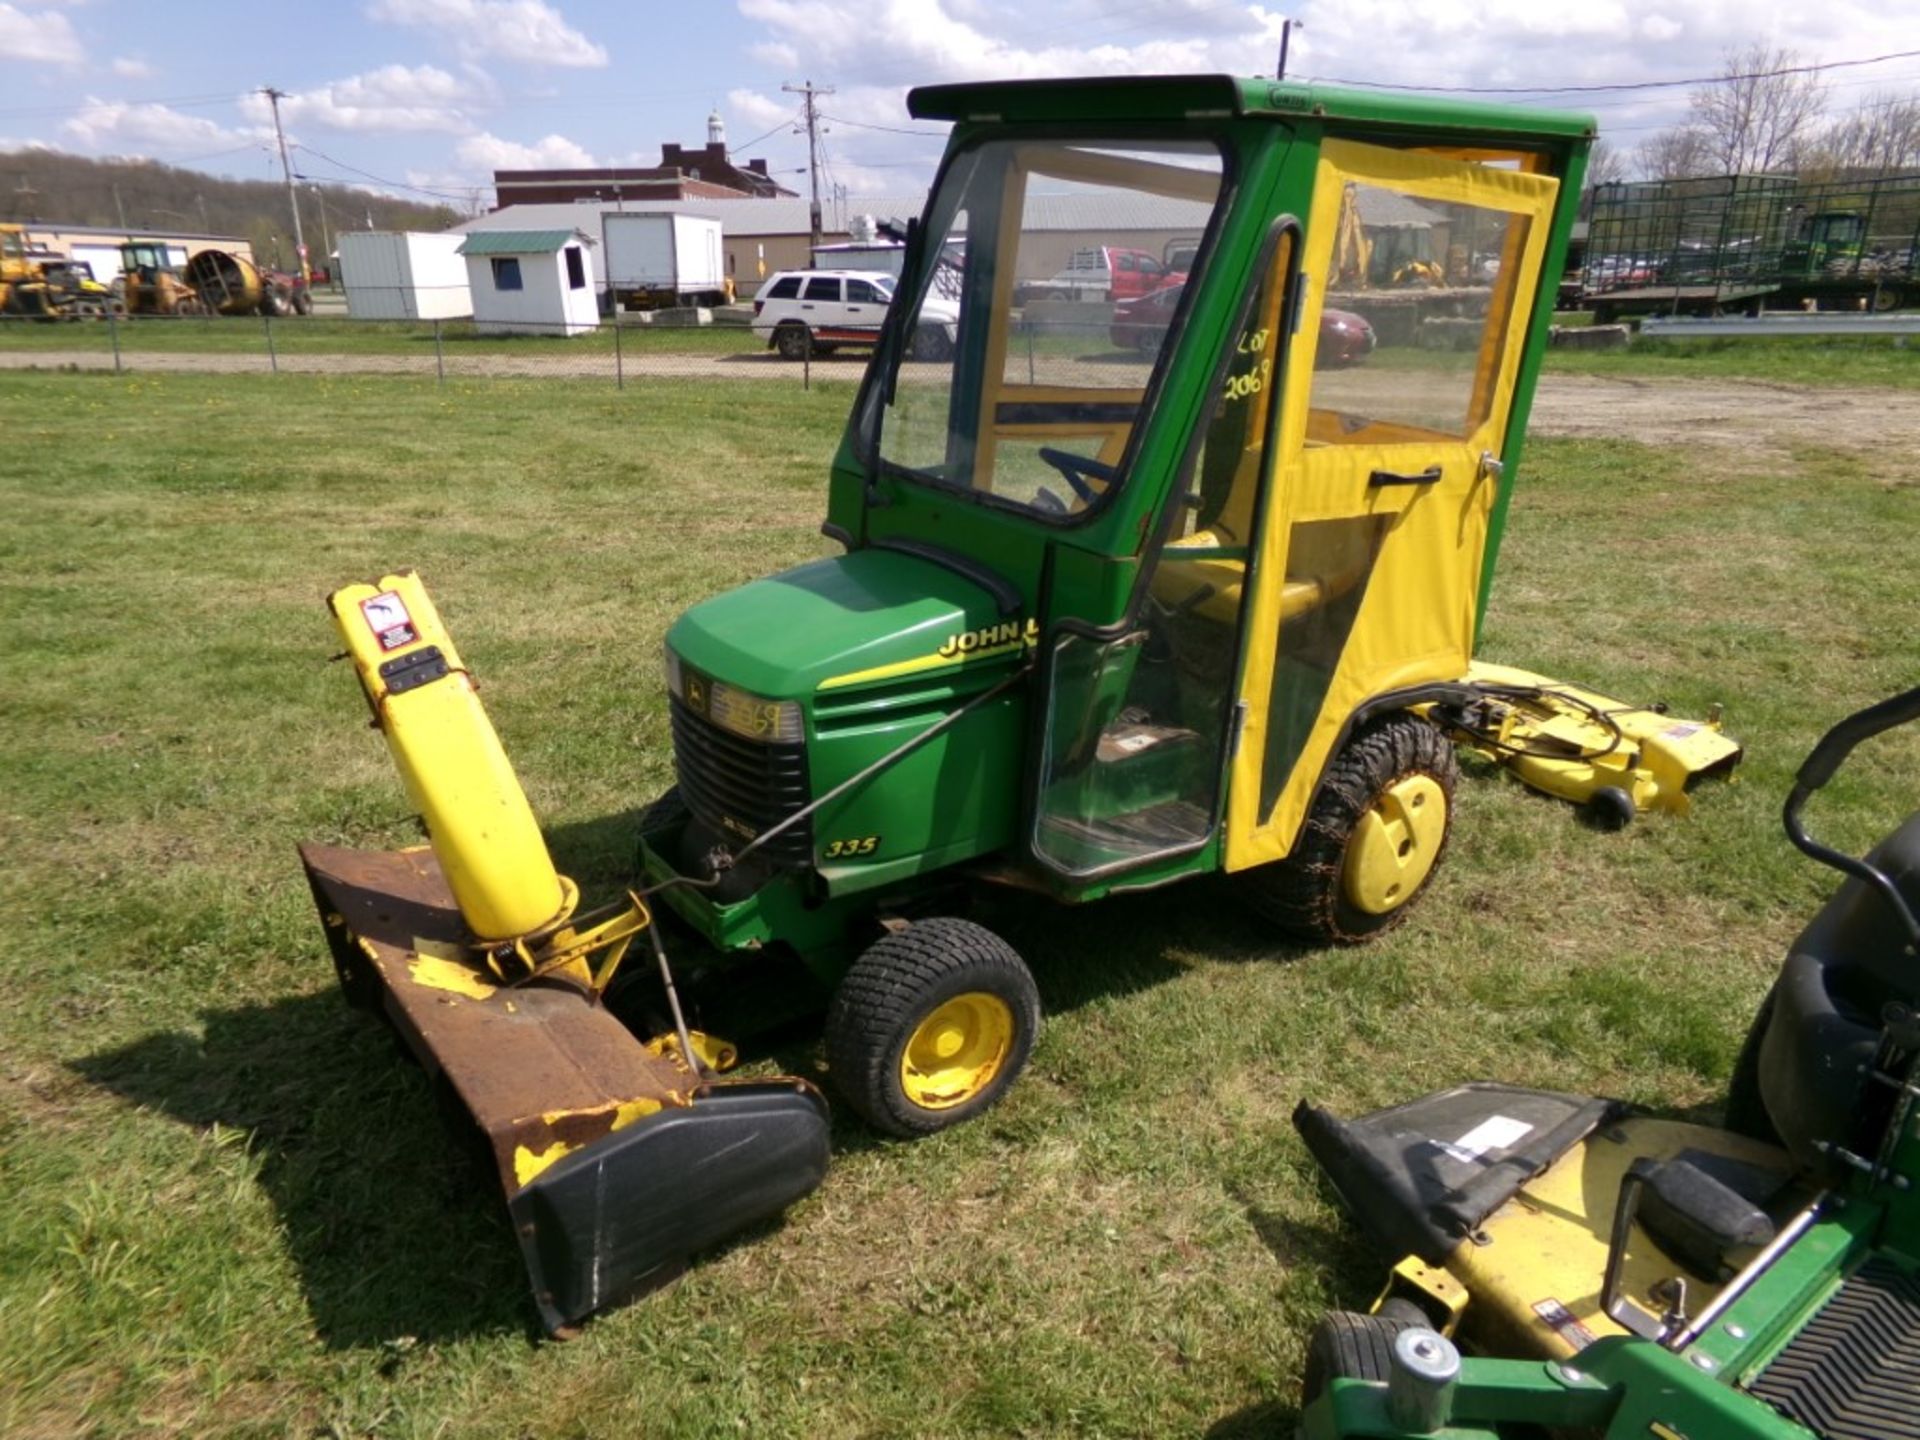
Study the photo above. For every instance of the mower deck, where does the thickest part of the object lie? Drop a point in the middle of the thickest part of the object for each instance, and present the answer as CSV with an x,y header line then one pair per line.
x,y
1513,1194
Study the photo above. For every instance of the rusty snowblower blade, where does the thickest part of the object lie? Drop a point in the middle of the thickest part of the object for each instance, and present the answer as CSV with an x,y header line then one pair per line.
x,y
618,1164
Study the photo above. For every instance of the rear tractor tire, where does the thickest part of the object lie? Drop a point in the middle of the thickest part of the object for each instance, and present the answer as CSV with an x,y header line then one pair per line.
x,y
1372,841
930,1026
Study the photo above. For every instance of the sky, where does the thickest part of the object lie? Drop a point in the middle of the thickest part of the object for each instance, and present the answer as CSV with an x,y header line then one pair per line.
x,y
426,98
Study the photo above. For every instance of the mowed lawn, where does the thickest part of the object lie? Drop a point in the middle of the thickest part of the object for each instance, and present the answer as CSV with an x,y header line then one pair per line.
x,y
231,1209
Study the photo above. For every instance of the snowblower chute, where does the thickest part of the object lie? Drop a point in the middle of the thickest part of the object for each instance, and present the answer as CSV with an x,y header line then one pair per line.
x,y
619,1159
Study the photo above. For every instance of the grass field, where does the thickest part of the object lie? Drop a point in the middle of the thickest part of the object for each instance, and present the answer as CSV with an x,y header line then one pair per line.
x,y
230,1210
337,335
1827,361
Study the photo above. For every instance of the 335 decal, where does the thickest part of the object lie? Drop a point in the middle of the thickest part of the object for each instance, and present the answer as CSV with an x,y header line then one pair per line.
x,y
850,849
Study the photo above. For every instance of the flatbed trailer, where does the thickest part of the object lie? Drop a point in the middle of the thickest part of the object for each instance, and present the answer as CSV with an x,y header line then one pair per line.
x,y
1750,242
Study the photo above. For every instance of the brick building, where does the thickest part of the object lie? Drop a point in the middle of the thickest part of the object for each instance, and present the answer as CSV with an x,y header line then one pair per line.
x,y
708,173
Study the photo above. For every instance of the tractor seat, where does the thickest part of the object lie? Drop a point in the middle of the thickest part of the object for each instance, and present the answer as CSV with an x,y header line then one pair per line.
x,y
1208,561
1824,1019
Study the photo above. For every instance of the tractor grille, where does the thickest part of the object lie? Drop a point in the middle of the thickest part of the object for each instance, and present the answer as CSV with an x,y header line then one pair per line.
x,y
741,788
1853,1372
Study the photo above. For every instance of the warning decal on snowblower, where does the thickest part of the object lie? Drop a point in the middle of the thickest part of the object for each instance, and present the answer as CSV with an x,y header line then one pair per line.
x,y
386,615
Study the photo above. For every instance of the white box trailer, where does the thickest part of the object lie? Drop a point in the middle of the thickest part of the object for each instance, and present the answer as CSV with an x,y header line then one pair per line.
x,y
658,258
404,275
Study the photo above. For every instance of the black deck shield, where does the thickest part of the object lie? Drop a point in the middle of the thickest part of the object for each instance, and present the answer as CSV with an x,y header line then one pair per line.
x,y
623,1215
1423,1176
618,1164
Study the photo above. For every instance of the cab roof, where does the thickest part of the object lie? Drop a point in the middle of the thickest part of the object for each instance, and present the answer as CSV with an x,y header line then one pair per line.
x,y
1194,97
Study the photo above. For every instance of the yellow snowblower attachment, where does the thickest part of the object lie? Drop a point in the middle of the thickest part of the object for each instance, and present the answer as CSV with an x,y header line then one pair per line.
x,y
619,1159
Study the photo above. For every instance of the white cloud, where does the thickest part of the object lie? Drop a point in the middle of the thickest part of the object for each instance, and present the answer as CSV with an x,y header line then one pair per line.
x,y
43,36
391,100
490,152
531,32
120,128
873,50
132,67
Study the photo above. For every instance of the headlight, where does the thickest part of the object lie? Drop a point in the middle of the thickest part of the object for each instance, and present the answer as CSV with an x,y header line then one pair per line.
x,y
733,709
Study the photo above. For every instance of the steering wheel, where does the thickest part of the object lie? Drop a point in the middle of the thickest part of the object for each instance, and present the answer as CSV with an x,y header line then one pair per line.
x,y
1076,470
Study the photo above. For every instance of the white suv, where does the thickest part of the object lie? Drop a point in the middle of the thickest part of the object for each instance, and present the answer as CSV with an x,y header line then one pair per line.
x,y
825,309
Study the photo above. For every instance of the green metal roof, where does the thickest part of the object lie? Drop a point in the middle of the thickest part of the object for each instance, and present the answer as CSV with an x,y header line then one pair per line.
x,y
1179,97
518,242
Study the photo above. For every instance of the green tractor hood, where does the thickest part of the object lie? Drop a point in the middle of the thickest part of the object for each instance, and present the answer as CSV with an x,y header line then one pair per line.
x,y
867,617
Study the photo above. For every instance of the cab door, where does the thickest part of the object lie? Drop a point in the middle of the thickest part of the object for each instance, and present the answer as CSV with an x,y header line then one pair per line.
x,y
1371,550
1139,717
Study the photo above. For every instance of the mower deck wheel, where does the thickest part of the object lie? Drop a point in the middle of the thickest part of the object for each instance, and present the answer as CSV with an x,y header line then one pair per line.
x,y
1346,1346
930,1026
1372,841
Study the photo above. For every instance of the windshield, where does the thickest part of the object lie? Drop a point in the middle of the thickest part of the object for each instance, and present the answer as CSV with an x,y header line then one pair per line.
x,y
1030,343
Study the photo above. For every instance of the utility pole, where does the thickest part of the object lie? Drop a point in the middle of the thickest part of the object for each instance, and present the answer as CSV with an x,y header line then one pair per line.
x,y
326,240
1286,35
810,90
120,209
274,97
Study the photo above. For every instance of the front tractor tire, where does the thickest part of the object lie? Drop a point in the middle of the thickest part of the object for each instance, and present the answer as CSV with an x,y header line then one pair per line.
x,y
1372,841
930,1026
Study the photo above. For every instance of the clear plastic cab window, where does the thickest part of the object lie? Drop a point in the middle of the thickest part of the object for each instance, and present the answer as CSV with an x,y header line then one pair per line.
x,y
1032,396
1414,317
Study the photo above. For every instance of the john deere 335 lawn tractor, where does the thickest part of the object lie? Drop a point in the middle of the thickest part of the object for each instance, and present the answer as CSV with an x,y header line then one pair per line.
x,y
1107,618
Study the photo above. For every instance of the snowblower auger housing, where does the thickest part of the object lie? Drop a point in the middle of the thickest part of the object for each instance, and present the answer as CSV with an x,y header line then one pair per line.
x,y
618,1161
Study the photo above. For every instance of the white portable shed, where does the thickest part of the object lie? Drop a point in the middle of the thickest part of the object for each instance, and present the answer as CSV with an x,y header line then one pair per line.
x,y
404,275
531,282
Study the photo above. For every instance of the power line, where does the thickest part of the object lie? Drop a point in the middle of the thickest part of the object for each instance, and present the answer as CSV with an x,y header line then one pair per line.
x,y
889,129
1624,87
193,101
383,180
748,145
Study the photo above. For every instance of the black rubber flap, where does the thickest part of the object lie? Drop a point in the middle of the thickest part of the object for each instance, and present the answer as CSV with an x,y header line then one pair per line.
x,y
1853,1372
625,1214
1422,1176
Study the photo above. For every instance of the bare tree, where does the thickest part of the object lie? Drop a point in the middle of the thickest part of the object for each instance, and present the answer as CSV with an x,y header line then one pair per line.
x,y
1677,154
1754,114
1605,164
1882,137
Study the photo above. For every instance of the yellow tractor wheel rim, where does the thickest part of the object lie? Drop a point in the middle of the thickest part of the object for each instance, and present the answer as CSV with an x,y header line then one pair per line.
x,y
1395,844
956,1051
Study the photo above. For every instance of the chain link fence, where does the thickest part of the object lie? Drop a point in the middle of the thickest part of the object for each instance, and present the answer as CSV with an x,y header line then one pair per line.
x,y
623,351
